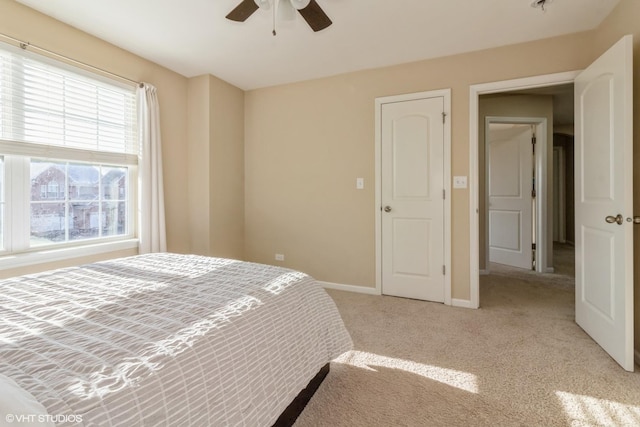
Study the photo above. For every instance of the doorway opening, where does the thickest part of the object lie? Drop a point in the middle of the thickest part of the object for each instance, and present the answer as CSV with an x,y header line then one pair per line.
x,y
527,193
516,98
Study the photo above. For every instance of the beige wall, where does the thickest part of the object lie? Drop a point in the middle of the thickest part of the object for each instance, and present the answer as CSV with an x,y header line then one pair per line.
x,y
227,170
216,167
306,143
505,105
198,172
624,20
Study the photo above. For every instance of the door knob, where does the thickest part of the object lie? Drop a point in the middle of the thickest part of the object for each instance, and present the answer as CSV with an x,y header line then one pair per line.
x,y
617,219
387,208
635,220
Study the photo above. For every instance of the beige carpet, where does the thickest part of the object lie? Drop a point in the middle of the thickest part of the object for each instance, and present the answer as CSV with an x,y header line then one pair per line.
x,y
520,360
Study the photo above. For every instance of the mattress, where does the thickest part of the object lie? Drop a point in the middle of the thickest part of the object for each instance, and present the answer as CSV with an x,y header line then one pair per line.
x,y
166,340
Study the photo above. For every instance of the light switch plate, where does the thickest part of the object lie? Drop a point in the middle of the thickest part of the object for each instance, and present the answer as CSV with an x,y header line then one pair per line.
x,y
360,183
459,182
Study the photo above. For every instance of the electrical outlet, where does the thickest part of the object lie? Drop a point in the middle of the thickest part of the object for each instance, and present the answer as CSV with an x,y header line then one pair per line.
x,y
459,182
279,257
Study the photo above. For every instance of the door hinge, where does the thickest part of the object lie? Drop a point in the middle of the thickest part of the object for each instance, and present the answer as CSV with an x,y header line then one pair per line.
x,y
533,143
444,116
444,270
444,194
533,246
533,193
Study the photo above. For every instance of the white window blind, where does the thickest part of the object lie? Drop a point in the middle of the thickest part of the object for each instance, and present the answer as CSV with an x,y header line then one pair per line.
x,y
46,104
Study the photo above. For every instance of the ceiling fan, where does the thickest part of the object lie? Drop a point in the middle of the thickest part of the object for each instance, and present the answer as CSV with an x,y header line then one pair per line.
x,y
309,9
540,3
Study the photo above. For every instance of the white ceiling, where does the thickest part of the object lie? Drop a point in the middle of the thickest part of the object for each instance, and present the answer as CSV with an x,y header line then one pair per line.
x,y
192,37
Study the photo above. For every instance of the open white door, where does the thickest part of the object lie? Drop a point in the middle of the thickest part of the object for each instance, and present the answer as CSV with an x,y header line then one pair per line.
x,y
604,201
509,174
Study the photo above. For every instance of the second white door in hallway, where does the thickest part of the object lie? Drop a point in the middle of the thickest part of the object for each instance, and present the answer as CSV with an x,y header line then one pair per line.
x,y
509,187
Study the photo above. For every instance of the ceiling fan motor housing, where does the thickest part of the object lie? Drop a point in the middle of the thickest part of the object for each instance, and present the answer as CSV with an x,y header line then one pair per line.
x,y
309,9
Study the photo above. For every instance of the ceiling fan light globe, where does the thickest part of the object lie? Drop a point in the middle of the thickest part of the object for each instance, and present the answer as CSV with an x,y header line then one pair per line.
x,y
263,4
286,12
300,4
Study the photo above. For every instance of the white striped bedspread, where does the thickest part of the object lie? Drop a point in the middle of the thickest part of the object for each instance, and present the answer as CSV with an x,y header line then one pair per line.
x,y
167,340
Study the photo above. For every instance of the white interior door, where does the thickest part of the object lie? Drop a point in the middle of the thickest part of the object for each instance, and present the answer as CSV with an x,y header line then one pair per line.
x,y
412,222
509,183
603,176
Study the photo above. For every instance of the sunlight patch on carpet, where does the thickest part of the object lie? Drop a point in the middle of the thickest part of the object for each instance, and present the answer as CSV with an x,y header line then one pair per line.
x,y
458,379
591,411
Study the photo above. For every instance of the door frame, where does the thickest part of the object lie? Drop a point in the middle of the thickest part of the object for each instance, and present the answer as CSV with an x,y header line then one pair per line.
x,y
540,158
559,188
446,95
474,207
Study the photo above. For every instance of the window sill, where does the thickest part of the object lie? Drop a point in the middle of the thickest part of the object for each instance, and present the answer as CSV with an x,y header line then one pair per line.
x,y
60,254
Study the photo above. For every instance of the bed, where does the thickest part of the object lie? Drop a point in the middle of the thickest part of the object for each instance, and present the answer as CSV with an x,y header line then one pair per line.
x,y
164,340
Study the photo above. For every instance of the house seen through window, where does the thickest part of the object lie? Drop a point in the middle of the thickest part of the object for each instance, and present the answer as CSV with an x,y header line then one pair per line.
x,y
71,201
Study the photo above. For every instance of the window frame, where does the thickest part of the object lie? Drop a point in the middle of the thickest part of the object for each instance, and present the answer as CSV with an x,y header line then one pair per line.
x,y
17,250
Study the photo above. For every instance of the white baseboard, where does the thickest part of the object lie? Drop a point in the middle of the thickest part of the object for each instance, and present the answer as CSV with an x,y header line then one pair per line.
x,y
637,357
464,303
350,288
373,291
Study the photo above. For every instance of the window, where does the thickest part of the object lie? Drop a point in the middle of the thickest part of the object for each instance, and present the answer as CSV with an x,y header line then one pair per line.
x,y
68,156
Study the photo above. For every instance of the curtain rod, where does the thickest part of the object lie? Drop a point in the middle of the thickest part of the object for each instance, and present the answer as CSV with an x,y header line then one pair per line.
x,y
24,45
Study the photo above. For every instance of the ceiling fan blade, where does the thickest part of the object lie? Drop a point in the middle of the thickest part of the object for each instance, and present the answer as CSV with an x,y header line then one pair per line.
x,y
242,11
315,16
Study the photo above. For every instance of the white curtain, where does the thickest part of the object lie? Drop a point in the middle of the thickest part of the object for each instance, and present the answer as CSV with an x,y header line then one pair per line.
x,y
151,222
